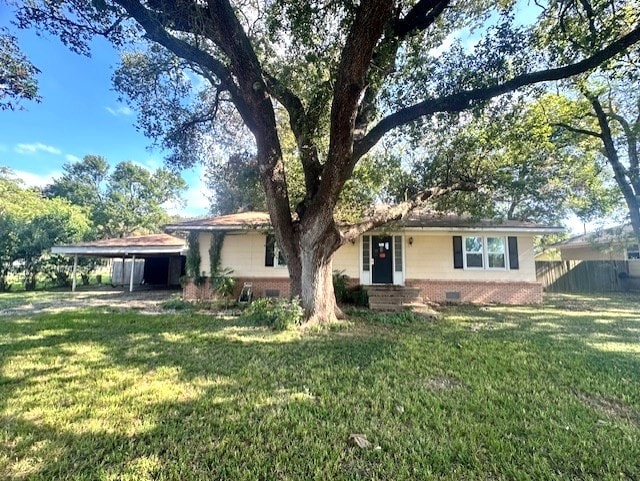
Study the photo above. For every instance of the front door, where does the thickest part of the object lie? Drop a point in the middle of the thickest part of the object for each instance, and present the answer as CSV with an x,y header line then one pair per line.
x,y
382,253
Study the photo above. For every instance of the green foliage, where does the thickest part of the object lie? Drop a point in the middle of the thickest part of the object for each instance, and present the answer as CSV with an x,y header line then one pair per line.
x,y
215,250
129,200
527,171
391,318
359,296
192,263
278,314
340,286
235,185
223,283
33,225
17,74
348,295
176,303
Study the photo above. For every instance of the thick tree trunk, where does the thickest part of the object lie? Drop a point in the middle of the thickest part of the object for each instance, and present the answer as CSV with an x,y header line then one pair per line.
x,y
317,296
318,243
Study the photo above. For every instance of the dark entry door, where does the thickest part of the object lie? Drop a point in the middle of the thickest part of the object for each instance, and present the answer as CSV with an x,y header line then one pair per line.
x,y
382,253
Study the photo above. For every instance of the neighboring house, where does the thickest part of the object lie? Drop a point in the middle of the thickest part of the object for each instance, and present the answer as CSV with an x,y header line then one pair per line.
x,y
449,258
612,244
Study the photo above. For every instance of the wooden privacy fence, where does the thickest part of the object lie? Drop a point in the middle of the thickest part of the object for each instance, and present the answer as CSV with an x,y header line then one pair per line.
x,y
583,276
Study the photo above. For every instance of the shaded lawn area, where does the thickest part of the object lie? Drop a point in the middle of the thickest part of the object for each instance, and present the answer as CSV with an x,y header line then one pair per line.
x,y
543,392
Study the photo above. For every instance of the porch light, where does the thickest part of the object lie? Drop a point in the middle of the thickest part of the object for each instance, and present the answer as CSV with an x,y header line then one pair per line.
x,y
410,241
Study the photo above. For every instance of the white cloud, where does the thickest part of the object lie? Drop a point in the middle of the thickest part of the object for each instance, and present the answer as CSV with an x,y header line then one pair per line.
x,y
122,110
35,180
72,158
37,147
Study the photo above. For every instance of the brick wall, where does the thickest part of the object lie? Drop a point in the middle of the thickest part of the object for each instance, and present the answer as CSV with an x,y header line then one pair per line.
x,y
260,286
479,292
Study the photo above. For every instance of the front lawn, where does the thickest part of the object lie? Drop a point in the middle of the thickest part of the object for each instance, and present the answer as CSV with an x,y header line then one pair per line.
x,y
547,392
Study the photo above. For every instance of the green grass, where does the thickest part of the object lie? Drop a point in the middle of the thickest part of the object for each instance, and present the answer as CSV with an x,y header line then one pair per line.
x,y
546,392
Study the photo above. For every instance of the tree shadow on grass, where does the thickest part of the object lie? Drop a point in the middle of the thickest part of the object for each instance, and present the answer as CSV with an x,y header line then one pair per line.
x,y
116,395
94,394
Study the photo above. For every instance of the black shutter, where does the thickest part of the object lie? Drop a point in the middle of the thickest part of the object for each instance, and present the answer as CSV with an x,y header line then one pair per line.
x,y
513,253
457,252
270,245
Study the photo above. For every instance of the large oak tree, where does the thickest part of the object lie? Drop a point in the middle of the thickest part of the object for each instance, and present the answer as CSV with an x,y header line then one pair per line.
x,y
347,73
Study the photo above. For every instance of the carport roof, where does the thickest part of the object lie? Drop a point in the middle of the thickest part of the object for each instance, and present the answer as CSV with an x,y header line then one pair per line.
x,y
144,245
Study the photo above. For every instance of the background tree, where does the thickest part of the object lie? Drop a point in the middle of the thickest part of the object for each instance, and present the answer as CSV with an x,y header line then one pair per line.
x,y
603,104
346,73
131,199
610,115
31,225
530,171
17,74
235,185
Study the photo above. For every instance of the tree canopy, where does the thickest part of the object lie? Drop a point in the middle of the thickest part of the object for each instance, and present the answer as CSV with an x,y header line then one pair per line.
x,y
129,200
17,74
347,74
531,170
31,225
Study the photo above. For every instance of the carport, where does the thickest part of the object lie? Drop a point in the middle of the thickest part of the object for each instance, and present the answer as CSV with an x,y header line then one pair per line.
x,y
163,255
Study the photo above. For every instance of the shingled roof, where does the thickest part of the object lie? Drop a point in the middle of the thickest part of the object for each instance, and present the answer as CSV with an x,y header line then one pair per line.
x,y
423,220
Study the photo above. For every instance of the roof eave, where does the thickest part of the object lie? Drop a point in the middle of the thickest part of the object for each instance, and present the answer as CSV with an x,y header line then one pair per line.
x,y
523,230
117,251
206,228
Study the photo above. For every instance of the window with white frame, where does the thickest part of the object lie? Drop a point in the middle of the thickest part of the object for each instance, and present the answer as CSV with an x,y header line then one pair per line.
x,y
633,251
485,252
473,252
496,253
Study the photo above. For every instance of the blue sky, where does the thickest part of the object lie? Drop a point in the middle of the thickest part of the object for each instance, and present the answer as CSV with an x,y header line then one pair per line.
x,y
79,115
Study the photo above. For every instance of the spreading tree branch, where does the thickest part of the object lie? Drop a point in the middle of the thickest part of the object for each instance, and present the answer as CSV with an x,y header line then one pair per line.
x,y
399,211
578,130
463,100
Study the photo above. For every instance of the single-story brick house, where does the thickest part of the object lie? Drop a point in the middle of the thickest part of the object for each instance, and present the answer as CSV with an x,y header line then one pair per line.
x,y
449,258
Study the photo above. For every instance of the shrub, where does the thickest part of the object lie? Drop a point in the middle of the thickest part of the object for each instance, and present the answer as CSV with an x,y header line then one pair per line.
x,y
394,318
345,295
341,287
176,303
359,296
278,314
223,284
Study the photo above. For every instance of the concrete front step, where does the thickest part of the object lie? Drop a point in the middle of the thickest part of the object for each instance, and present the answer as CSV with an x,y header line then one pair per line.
x,y
393,298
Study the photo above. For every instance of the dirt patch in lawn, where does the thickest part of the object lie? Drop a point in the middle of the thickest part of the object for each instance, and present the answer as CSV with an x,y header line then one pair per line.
x,y
611,408
147,301
442,383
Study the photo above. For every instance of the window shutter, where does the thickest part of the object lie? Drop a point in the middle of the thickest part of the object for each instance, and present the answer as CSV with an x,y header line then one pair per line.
x,y
513,253
270,245
457,252
366,249
397,247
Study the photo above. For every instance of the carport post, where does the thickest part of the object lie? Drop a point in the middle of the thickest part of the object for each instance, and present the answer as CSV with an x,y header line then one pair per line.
x,y
73,275
133,265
